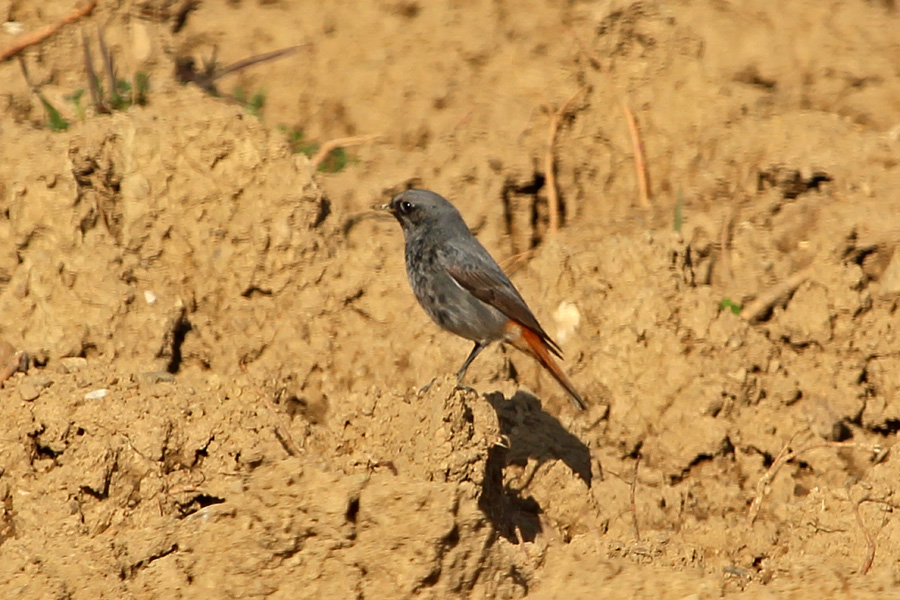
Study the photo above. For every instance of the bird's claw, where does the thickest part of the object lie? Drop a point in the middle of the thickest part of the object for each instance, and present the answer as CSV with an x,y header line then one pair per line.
x,y
465,388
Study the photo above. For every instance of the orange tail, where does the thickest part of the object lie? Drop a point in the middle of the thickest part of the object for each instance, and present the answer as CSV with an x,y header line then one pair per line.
x,y
530,343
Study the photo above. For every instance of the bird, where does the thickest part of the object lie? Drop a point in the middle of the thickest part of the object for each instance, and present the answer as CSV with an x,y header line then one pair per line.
x,y
463,289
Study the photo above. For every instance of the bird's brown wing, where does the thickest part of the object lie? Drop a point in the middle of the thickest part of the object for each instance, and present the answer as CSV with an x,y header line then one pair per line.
x,y
494,288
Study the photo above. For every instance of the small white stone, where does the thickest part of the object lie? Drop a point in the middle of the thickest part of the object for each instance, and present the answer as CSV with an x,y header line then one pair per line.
x,y
149,297
13,28
568,318
96,394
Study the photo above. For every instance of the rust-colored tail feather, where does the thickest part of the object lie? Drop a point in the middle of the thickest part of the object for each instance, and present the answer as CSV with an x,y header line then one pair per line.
x,y
530,343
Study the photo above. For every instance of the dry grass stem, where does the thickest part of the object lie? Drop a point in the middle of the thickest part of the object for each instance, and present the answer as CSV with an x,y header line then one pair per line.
x,y
331,145
550,162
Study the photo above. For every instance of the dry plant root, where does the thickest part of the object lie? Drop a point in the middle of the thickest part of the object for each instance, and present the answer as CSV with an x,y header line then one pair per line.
x,y
39,35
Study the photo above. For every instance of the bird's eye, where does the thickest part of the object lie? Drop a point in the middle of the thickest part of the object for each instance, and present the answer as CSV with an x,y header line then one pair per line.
x,y
405,207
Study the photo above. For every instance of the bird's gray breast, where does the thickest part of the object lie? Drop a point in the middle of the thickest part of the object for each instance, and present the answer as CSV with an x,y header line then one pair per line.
x,y
447,303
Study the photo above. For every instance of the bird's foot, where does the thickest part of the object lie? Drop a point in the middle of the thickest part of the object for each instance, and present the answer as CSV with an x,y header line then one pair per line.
x,y
465,388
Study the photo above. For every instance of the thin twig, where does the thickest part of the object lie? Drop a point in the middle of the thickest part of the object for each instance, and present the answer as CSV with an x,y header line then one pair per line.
x,y
27,77
253,60
784,456
281,426
725,245
39,35
634,478
186,70
513,263
182,13
764,303
326,148
640,165
93,80
595,62
870,541
463,120
110,68
550,162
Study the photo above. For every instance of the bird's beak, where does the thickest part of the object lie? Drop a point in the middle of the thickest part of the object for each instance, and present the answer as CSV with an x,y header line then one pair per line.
x,y
382,207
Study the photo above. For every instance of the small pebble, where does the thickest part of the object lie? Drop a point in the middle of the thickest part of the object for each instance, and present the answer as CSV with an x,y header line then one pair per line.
x,y
29,392
73,363
157,377
41,382
149,297
13,28
96,394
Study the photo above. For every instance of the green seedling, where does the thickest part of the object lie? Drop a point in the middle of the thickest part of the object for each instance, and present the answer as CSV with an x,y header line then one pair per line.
x,y
121,93
121,97
253,104
55,120
257,103
336,161
297,141
679,212
141,88
75,100
727,304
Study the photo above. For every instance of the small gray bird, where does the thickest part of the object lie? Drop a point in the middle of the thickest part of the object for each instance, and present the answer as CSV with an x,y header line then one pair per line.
x,y
463,289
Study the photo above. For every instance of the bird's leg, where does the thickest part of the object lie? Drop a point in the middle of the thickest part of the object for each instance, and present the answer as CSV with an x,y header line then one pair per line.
x,y
479,346
427,386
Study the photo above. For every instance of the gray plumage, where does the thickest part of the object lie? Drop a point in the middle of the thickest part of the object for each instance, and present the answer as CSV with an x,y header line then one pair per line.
x,y
458,283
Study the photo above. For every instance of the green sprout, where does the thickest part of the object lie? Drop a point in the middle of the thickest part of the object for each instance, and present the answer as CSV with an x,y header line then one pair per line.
x,y
120,96
679,212
297,141
257,103
254,104
141,87
55,120
75,99
336,161
727,304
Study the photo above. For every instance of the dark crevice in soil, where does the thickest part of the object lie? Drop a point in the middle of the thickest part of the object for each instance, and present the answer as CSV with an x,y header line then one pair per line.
x,y
530,189
725,449
254,291
352,510
198,502
130,571
889,427
179,332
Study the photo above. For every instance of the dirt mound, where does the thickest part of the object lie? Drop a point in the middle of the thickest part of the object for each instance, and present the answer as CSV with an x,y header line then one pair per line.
x,y
220,355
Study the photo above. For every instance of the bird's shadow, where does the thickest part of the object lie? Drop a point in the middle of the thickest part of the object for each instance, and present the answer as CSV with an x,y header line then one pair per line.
x,y
532,434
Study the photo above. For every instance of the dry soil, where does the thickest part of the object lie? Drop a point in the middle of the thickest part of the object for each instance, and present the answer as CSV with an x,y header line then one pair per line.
x,y
222,353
